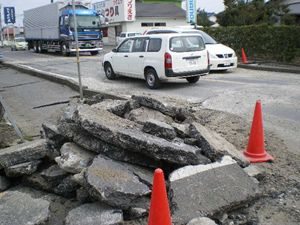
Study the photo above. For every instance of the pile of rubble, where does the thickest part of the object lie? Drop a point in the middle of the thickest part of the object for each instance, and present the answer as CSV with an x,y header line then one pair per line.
x,y
102,154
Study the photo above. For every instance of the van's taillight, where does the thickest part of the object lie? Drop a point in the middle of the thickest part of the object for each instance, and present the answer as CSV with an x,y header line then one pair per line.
x,y
168,61
208,59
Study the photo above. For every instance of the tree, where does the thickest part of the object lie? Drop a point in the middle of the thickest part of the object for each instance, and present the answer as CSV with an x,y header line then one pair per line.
x,y
240,12
202,19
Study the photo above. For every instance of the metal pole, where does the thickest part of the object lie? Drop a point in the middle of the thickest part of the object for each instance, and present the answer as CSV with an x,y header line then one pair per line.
x,y
1,32
77,52
14,31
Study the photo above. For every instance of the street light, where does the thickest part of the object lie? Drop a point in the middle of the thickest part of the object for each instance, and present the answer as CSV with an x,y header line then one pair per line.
x,y
77,51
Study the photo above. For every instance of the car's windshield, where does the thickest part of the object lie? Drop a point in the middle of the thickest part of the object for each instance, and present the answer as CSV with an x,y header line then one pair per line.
x,y
86,21
20,40
207,39
186,44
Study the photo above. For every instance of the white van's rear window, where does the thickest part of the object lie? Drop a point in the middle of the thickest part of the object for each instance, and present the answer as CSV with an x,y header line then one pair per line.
x,y
186,44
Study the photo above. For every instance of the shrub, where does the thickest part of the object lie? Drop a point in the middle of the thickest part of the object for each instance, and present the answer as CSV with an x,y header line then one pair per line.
x,y
280,43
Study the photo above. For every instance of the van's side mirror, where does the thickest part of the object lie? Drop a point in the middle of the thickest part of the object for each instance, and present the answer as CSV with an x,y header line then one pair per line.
x,y
114,50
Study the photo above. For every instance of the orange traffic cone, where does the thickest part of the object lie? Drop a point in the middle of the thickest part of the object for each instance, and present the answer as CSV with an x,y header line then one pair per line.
x,y
159,207
256,147
244,57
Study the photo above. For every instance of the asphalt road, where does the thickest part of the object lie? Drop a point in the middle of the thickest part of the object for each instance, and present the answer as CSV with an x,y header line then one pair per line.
x,y
27,98
235,92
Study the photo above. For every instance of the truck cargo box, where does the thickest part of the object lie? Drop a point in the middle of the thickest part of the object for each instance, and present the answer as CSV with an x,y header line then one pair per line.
x,y
42,23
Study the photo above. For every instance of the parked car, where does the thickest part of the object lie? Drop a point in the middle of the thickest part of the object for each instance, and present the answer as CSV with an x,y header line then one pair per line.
x,y
19,44
221,56
124,35
156,58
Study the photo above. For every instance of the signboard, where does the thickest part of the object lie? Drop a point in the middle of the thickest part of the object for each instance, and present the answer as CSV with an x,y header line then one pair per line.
x,y
9,15
191,11
116,10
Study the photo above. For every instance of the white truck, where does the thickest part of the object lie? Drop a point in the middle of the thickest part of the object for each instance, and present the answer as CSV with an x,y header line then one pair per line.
x,y
51,28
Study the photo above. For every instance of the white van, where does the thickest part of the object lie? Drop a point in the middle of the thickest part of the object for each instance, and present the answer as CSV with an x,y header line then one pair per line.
x,y
221,56
159,57
125,35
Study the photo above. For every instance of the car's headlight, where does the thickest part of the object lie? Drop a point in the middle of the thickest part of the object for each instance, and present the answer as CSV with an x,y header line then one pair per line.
x,y
212,56
234,55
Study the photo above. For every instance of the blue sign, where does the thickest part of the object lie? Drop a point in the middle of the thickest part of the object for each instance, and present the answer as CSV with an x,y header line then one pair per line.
x,y
9,15
191,14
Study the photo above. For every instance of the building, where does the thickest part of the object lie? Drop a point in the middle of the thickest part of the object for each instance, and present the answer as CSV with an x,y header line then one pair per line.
x,y
137,17
10,32
294,7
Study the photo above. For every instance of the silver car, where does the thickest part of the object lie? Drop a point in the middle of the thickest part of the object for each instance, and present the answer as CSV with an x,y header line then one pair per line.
x,y
19,44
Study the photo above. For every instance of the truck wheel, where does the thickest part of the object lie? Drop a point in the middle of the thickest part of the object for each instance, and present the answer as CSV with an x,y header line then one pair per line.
x,y
94,53
64,50
193,80
109,72
40,47
152,79
35,47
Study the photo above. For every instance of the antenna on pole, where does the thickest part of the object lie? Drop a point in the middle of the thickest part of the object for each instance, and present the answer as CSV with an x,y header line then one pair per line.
x,y
77,52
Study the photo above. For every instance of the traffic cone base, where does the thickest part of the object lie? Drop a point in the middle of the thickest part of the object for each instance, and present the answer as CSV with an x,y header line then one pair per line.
x,y
257,158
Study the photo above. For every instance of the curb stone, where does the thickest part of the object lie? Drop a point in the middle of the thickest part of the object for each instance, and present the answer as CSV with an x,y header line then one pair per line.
x,y
61,79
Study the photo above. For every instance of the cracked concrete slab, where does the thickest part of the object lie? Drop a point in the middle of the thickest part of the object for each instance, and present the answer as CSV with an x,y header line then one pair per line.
x,y
204,190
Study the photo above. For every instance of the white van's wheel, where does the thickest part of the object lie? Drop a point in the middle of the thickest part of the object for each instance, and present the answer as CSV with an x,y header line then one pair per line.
x,y
193,80
152,79
109,72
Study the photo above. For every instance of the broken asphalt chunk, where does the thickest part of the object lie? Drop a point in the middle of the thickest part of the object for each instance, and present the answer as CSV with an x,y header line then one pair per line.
x,y
73,158
124,133
26,152
21,208
214,146
94,214
204,190
115,183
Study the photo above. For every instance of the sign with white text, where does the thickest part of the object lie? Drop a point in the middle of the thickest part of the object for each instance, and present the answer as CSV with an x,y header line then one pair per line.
x,y
116,10
9,15
191,11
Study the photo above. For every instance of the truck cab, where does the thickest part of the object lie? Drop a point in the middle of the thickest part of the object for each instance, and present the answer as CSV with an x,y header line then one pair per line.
x,y
88,28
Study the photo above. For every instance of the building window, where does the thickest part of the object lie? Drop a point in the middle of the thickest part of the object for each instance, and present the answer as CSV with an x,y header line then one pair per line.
x,y
160,24
147,24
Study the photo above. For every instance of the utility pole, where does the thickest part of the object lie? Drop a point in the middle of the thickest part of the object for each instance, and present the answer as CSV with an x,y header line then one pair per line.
x,y
1,32
77,52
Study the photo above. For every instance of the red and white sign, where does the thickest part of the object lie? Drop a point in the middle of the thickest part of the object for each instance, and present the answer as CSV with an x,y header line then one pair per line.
x,y
116,10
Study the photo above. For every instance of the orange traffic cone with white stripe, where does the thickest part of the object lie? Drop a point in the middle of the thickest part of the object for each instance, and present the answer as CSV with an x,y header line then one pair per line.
x,y
256,151
159,207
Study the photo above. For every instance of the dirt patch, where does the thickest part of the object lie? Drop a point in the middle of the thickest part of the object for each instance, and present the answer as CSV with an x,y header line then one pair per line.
x,y
280,202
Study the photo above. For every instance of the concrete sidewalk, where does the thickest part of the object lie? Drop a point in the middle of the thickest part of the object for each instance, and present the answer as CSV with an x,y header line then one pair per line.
x,y
271,66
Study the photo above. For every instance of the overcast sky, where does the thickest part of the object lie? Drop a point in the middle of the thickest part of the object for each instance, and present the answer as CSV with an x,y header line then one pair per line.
x,y
21,5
